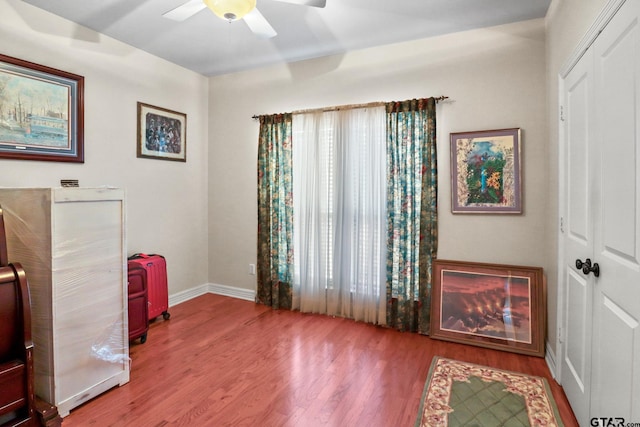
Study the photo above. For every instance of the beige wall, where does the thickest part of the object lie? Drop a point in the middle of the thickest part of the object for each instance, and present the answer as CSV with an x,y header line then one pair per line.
x,y
567,22
495,78
166,201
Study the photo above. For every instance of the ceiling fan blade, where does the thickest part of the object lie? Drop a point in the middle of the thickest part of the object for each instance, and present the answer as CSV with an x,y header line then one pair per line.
x,y
186,10
259,25
314,3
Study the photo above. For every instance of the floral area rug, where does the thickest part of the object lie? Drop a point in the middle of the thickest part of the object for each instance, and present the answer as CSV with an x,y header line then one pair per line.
x,y
464,394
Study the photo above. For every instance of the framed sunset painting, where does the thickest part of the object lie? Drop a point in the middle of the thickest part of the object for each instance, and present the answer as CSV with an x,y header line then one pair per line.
x,y
489,305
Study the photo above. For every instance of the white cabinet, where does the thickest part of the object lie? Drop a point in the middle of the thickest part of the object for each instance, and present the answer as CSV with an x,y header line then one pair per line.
x,y
71,243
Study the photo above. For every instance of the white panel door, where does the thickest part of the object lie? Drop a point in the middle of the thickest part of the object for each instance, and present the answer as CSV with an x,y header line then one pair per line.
x,y
616,305
578,237
600,332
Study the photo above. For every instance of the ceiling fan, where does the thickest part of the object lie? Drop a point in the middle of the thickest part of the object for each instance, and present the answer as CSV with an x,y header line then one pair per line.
x,y
233,10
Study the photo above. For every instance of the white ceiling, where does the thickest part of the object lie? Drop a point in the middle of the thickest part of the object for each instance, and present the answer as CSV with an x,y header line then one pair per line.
x,y
211,46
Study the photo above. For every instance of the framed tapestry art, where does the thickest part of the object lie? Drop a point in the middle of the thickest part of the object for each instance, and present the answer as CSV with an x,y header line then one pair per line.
x,y
485,172
162,133
41,112
489,305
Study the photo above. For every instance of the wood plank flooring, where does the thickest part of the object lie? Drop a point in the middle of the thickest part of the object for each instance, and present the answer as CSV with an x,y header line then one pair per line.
x,y
222,361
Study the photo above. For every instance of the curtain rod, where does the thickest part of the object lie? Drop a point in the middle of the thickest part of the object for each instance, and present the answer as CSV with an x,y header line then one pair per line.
x,y
346,107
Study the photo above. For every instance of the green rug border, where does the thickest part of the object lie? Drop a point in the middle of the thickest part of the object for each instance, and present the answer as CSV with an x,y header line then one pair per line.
x,y
435,359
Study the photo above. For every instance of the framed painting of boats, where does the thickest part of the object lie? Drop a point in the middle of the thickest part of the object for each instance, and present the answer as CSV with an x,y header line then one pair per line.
x,y
41,112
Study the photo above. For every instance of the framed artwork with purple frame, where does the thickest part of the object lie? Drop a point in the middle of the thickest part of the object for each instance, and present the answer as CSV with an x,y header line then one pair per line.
x,y
485,172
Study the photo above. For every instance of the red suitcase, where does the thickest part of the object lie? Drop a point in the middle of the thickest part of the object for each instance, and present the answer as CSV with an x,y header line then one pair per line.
x,y
157,290
138,302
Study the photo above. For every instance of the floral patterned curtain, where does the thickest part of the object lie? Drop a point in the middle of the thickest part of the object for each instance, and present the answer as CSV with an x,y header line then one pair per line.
x,y
275,212
412,212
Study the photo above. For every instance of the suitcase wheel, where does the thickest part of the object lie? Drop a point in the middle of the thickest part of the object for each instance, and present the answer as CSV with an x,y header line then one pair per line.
x,y
166,315
143,338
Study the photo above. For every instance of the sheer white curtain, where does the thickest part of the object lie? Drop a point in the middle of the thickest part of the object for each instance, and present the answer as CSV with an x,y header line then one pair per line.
x,y
340,222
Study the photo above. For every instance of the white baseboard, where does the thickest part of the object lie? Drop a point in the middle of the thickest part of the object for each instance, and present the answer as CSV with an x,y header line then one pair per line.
x,y
188,294
230,291
211,288
550,358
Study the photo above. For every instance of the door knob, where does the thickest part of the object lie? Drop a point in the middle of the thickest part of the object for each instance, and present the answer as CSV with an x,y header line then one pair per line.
x,y
587,268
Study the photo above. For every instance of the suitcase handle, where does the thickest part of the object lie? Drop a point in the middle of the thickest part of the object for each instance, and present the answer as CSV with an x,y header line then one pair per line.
x,y
138,255
142,255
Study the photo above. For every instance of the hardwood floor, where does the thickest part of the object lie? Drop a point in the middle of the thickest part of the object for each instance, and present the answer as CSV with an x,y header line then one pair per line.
x,y
222,361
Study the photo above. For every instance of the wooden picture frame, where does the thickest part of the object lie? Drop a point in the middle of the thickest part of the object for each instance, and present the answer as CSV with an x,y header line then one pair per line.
x,y
162,133
496,306
41,112
486,172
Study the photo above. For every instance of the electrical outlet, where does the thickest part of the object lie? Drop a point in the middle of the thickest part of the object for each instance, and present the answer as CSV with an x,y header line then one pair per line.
x,y
252,269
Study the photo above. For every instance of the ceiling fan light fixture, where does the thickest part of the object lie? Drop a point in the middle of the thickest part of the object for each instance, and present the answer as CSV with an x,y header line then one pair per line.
x,y
231,10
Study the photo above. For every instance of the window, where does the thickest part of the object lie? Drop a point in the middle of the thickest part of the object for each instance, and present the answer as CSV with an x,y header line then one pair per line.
x,y
340,212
